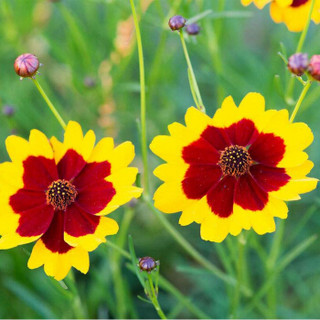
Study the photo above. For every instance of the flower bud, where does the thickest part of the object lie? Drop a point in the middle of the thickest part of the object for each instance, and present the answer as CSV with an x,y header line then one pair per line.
x,y
177,22
26,65
8,110
147,264
89,82
193,29
298,63
314,67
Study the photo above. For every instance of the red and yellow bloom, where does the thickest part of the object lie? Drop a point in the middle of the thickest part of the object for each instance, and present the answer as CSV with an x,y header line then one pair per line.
x,y
56,193
233,171
293,13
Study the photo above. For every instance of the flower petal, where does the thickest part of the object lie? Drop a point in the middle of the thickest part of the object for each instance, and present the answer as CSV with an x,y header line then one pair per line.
x,y
57,264
70,165
199,179
267,149
86,230
249,195
200,152
269,178
221,197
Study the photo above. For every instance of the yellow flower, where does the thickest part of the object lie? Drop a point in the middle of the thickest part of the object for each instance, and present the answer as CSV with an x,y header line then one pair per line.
x,y
233,171
56,193
293,13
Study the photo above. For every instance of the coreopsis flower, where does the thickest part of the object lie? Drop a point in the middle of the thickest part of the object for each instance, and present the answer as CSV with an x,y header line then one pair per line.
x,y
57,193
293,13
233,171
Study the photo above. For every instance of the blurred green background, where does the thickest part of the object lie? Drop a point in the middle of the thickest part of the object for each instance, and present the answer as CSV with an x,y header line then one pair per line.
x,y
90,72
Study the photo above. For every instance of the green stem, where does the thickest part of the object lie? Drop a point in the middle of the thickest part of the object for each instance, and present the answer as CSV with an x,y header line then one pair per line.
x,y
299,48
214,50
154,298
77,305
302,96
281,265
193,82
144,147
194,253
115,260
240,260
49,103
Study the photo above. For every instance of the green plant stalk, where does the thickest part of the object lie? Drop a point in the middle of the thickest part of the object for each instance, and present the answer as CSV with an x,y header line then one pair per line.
x,y
299,48
301,97
144,147
118,280
49,103
76,36
154,298
213,46
77,305
270,264
283,263
239,266
194,87
194,253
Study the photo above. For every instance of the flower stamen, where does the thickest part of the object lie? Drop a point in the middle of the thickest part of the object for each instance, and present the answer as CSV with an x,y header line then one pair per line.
x,y
60,194
235,161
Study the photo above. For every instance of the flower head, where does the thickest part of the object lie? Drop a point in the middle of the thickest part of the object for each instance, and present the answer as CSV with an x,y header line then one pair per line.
x,y
57,193
293,13
233,171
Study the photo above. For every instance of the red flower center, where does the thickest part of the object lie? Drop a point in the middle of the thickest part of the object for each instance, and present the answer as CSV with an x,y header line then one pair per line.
x,y
60,194
235,161
298,3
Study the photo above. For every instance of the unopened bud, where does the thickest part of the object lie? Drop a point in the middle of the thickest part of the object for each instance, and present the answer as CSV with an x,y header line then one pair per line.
x,y
193,29
177,22
89,82
8,110
26,65
314,67
147,264
298,63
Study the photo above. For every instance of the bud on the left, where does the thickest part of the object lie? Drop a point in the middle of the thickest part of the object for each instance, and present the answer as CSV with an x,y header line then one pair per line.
x,y
26,65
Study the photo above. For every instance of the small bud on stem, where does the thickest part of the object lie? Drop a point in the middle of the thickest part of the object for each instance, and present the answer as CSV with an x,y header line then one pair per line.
x,y
193,29
298,63
314,67
147,264
26,65
176,22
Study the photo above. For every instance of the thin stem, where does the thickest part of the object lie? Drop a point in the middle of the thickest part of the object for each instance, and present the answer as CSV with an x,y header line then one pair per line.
x,y
302,96
194,253
239,266
299,48
123,252
50,104
154,298
77,303
115,260
193,82
144,147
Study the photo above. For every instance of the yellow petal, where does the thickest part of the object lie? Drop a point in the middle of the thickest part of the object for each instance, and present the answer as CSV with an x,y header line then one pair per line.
x,y
58,265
